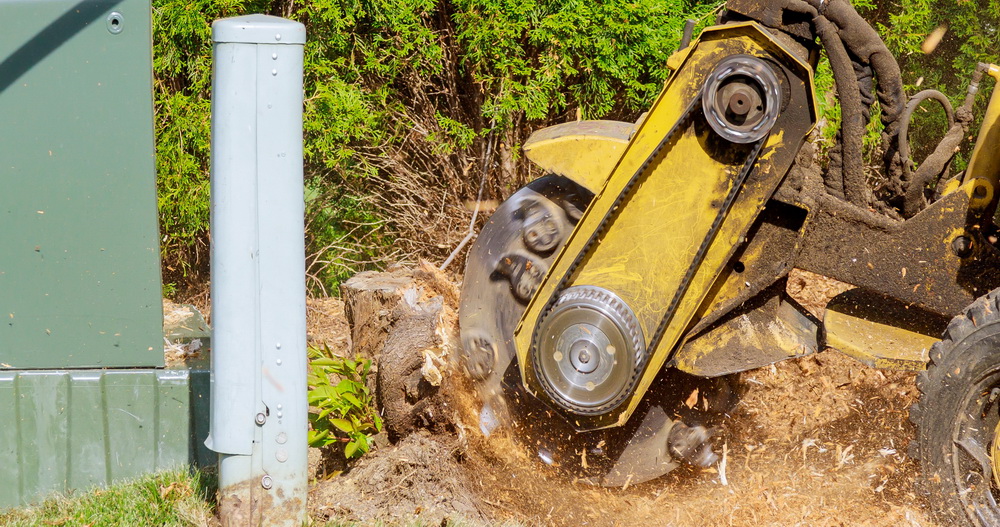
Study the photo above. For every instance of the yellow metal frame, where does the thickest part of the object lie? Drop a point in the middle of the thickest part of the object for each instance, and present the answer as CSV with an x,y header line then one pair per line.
x,y
985,160
584,151
655,235
885,336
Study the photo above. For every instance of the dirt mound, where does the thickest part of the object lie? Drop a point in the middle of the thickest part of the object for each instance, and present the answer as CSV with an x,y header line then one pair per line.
x,y
815,441
419,477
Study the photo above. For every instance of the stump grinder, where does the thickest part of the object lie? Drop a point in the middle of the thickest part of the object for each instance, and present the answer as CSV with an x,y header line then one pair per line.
x,y
653,257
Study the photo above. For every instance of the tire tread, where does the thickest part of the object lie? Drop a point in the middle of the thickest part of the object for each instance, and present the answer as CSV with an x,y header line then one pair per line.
x,y
941,383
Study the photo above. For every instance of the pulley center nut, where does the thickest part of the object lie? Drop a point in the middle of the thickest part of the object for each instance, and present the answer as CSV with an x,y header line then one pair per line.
x,y
584,356
739,103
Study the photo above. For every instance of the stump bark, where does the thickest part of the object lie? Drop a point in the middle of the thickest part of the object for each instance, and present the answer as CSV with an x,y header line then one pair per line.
x,y
406,321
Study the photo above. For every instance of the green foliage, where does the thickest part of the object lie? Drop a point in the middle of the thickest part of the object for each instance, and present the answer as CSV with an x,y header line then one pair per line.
x,y
972,36
182,53
537,58
345,237
173,498
829,108
410,107
341,407
413,106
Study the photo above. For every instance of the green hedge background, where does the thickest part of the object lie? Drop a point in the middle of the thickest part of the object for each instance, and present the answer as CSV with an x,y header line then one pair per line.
x,y
414,109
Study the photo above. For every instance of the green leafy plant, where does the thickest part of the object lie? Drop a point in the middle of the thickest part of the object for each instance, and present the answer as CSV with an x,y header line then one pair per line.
x,y
413,110
182,69
342,408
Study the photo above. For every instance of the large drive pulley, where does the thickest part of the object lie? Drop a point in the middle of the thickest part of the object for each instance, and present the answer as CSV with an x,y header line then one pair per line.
x,y
590,347
741,99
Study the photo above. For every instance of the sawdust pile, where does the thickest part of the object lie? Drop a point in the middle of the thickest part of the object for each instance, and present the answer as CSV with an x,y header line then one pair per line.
x,y
818,441
813,291
421,477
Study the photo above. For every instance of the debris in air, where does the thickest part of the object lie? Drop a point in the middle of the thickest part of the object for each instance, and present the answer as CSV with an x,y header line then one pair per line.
x,y
487,420
933,39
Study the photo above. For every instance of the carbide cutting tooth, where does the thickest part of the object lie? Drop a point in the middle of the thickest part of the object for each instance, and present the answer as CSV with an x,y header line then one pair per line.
x,y
692,444
480,356
540,230
525,274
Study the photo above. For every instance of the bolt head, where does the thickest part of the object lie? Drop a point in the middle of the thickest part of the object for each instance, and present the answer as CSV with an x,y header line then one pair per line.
x,y
739,103
962,246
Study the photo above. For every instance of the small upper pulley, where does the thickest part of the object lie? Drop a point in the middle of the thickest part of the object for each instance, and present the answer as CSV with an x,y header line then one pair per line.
x,y
741,99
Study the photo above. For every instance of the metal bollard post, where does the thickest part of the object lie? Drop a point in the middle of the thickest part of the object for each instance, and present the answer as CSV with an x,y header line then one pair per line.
x,y
258,397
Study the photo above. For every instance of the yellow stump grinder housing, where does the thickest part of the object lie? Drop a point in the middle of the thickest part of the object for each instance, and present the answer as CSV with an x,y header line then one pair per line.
x,y
654,255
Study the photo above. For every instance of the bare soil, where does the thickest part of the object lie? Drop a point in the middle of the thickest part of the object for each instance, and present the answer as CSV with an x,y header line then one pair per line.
x,y
818,441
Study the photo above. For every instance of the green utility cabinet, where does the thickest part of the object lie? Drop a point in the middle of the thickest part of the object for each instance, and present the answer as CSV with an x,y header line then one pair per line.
x,y
82,377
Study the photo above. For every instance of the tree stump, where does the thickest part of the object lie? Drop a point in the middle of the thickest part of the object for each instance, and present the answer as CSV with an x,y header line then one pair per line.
x,y
370,298
406,321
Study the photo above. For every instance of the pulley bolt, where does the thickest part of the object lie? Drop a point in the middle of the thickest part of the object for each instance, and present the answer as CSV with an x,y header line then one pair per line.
x,y
260,419
266,482
961,246
584,357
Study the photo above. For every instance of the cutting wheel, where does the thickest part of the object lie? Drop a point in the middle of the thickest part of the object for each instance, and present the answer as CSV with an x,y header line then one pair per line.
x,y
504,267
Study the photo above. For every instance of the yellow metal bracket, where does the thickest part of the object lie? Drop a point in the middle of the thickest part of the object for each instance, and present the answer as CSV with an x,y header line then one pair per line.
x,y
584,151
985,160
880,332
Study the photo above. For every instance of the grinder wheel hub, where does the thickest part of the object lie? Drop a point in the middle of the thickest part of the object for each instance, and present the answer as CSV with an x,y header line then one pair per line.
x,y
589,351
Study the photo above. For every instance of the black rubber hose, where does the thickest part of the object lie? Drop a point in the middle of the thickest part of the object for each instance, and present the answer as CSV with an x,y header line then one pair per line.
x,y
852,126
847,36
866,87
932,167
855,49
937,162
904,124
864,43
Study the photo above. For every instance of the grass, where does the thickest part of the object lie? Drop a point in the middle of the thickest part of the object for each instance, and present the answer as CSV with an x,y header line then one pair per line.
x,y
178,498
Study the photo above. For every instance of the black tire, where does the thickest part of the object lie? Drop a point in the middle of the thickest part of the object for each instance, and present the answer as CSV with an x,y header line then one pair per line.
x,y
957,417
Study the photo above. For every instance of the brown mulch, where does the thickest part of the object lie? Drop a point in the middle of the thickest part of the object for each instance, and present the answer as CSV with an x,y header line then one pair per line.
x,y
817,441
